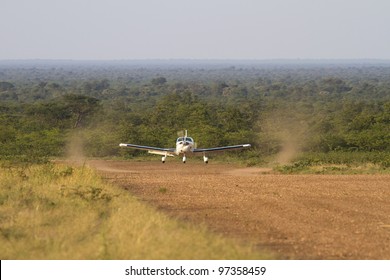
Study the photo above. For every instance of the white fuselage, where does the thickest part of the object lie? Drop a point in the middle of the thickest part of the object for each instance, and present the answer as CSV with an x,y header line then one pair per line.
x,y
184,145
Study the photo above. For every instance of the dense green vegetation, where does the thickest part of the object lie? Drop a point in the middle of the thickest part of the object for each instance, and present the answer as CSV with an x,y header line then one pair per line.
x,y
286,112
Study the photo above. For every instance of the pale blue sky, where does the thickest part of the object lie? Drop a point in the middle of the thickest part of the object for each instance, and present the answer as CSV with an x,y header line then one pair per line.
x,y
195,29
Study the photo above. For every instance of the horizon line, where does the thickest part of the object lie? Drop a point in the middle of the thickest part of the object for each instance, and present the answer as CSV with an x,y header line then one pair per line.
x,y
204,60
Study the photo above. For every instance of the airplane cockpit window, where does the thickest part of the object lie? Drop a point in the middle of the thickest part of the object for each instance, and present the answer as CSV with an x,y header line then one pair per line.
x,y
186,139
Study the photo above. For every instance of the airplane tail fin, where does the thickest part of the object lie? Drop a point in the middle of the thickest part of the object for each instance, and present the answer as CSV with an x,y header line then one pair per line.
x,y
182,133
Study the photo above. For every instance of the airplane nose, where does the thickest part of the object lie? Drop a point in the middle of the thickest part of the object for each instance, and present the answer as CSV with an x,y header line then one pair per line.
x,y
185,148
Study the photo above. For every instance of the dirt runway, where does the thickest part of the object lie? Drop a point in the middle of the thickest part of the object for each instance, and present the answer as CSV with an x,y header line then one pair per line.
x,y
291,216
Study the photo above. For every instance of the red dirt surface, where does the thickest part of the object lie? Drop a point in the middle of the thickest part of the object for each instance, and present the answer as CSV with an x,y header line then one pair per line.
x,y
290,216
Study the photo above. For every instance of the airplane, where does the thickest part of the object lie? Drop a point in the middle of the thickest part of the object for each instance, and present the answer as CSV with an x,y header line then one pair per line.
x,y
184,146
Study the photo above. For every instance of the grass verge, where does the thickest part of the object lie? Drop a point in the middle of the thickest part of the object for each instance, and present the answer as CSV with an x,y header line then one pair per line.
x,y
338,163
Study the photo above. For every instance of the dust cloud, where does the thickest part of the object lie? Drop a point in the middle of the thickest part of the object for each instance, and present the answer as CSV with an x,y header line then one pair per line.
x,y
287,133
289,149
75,148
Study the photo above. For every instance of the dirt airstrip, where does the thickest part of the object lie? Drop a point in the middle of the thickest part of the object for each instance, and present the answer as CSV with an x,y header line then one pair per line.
x,y
291,216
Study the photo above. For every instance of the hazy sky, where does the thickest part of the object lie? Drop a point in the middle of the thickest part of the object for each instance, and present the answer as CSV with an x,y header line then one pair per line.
x,y
194,29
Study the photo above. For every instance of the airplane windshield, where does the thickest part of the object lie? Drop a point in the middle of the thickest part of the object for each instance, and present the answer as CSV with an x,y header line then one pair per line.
x,y
186,139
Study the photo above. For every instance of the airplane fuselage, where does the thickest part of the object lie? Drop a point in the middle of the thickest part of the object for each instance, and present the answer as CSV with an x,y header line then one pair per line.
x,y
184,145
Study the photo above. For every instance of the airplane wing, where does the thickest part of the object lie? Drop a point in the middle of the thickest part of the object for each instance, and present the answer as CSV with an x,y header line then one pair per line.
x,y
151,150
219,149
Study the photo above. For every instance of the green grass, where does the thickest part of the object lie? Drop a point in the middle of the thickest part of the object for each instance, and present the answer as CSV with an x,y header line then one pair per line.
x,y
54,211
338,162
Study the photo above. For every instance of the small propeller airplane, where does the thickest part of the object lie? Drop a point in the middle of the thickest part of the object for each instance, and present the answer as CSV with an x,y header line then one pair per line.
x,y
184,146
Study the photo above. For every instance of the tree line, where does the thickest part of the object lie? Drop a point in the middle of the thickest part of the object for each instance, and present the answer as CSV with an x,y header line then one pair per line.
x,y
317,108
